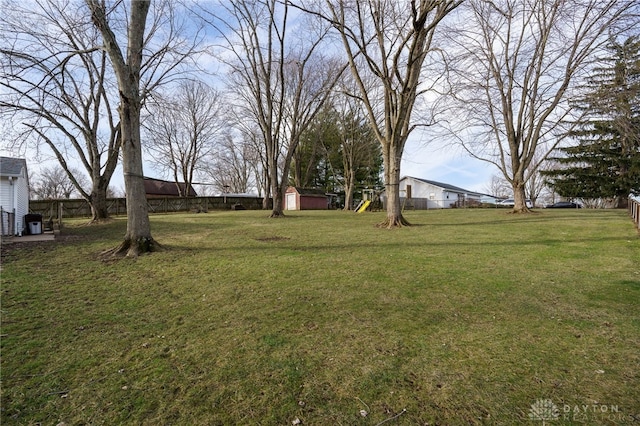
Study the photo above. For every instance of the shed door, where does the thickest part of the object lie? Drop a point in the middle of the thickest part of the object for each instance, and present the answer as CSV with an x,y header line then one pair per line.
x,y
291,201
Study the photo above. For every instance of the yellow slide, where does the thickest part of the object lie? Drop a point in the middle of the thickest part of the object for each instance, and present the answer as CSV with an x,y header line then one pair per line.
x,y
363,207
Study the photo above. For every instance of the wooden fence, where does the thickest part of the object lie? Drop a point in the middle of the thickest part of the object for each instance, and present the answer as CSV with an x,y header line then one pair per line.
x,y
56,209
634,210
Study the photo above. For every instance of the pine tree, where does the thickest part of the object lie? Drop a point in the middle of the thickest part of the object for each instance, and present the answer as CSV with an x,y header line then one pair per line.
x,y
336,148
606,161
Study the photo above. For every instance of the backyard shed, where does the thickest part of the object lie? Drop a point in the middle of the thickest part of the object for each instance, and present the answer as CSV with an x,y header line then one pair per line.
x,y
14,195
428,194
306,199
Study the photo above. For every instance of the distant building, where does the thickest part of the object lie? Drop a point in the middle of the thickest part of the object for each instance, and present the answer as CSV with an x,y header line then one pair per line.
x,y
156,188
306,199
490,199
14,195
420,193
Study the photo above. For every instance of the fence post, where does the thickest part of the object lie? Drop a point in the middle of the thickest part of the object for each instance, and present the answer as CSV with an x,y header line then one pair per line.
x,y
634,211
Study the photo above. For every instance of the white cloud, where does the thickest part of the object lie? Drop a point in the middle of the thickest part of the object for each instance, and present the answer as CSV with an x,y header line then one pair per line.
x,y
445,163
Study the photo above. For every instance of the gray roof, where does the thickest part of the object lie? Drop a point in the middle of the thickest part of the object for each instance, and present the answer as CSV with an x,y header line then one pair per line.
x,y
12,166
310,192
444,185
166,188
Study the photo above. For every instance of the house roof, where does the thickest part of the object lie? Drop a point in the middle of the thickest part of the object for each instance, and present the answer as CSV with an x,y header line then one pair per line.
x,y
12,166
489,195
442,185
166,188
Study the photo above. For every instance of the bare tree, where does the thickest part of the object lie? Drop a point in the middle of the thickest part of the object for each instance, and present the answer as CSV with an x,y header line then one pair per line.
x,y
242,151
356,143
252,147
52,183
56,83
233,167
183,128
513,70
498,186
127,68
144,55
279,74
536,185
387,44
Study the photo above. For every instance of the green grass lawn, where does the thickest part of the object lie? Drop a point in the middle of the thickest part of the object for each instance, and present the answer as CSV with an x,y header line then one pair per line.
x,y
469,317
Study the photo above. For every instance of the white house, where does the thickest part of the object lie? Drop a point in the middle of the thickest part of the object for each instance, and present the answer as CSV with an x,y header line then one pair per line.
x,y
428,194
14,194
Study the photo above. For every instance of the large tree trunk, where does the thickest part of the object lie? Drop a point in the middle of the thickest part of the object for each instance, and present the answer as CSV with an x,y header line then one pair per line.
x,y
621,202
350,179
519,195
297,169
100,183
277,208
278,198
98,203
279,186
267,199
137,239
391,157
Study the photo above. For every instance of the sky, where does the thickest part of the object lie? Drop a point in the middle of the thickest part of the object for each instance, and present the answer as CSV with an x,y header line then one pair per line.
x,y
446,164
422,160
425,161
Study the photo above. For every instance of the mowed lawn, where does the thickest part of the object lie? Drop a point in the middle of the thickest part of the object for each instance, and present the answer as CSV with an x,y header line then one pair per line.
x,y
469,317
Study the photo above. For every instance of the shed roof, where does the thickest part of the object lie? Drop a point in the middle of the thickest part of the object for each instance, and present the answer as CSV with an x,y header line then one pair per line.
x,y
12,166
310,192
166,188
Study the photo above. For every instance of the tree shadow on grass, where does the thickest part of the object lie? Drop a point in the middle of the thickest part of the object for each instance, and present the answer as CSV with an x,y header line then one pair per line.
x,y
502,220
288,244
632,284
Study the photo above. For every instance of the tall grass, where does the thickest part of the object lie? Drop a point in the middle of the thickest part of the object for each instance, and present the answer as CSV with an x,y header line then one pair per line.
x,y
469,317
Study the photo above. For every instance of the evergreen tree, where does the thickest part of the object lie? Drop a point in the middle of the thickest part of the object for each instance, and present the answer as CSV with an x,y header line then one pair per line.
x,y
311,167
339,153
606,161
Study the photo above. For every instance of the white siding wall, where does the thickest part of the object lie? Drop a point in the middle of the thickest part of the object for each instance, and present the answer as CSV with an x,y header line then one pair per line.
x,y
290,198
14,194
6,200
22,200
436,198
